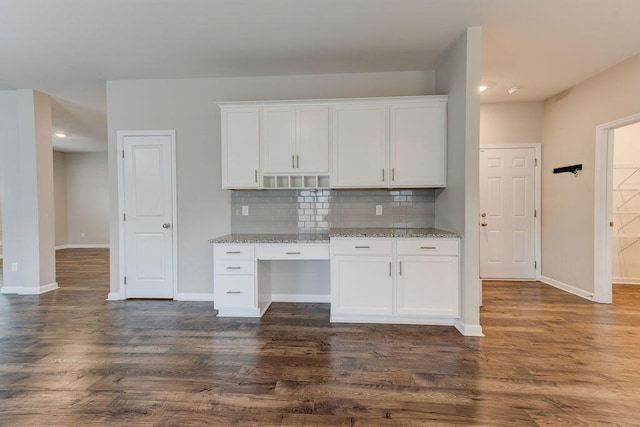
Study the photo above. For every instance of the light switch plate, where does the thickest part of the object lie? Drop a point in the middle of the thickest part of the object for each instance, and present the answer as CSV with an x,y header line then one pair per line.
x,y
245,211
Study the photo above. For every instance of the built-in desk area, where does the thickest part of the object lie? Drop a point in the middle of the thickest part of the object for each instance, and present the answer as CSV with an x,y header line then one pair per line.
x,y
377,275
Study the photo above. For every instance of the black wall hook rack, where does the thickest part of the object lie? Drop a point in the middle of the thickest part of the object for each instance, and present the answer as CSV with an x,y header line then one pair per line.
x,y
573,169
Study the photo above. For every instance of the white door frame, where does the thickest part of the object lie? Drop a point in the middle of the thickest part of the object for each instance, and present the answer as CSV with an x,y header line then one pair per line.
x,y
121,134
603,209
537,195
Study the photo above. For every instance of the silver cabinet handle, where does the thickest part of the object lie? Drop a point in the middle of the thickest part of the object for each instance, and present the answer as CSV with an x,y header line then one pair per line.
x,y
393,174
401,268
256,174
298,161
234,292
234,268
427,247
293,161
383,174
363,247
233,252
293,253
389,268
166,225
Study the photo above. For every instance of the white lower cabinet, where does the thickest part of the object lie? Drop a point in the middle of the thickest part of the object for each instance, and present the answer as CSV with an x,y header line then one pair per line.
x,y
235,281
417,281
427,286
369,286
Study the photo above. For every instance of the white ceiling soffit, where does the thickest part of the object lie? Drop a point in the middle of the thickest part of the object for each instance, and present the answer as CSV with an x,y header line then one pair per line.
x,y
69,48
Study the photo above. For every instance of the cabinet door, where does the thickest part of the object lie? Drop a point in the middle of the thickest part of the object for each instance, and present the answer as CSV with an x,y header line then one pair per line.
x,y
312,148
427,286
240,147
278,139
359,146
418,144
361,285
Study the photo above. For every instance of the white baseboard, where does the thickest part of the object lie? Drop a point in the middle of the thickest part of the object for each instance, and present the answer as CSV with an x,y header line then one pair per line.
x,y
618,280
568,288
114,296
311,298
84,246
468,330
29,290
194,297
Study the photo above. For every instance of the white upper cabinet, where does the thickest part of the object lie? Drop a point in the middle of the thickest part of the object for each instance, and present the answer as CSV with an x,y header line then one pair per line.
x,y
295,139
240,147
359,146
397,142
417,140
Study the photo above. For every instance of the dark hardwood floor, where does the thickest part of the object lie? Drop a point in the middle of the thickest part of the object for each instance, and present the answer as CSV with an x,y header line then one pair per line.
x,y
70,358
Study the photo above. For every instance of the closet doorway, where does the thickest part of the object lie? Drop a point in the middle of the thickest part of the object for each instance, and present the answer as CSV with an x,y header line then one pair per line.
x,y
625,255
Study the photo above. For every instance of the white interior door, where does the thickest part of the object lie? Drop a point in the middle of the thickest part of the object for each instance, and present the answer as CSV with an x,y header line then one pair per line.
x,y
148,216
507,213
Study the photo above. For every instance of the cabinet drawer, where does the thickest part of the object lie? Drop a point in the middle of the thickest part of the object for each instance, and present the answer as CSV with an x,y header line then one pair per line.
x,y
369,246
234,292
233,252
233,267
293,252
427,247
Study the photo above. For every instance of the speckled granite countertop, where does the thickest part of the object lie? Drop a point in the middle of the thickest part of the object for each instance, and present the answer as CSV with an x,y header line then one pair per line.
x,y
334,232
271,238
391,232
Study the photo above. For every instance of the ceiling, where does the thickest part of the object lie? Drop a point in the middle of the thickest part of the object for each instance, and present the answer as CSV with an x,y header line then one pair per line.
x,y
69,48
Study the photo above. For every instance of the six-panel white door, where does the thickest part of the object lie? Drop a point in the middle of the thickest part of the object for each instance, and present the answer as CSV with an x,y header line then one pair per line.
x,y
507,208
148,206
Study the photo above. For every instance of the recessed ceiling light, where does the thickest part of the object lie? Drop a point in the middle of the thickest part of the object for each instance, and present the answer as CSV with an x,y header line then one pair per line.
x,y
60,135
484,86
513,90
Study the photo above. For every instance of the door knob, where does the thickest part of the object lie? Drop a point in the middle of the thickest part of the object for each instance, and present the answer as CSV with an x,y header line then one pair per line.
x,y
166,225
484,224
483,215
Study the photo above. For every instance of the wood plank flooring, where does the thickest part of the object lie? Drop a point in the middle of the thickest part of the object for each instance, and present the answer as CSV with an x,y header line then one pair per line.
x,y
68,357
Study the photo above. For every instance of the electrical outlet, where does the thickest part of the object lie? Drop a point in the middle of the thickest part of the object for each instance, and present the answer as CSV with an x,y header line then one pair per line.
x,y
245,211
82,234
14,267
378,209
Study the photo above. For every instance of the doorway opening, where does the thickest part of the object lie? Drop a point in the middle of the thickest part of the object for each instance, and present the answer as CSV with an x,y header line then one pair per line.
x,y
617,206
626,205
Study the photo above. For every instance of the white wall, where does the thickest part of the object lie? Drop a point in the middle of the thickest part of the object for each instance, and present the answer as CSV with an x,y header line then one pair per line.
x,y
26,165
626,175
511,123
189,107
569,124
457,206
87,178
60,196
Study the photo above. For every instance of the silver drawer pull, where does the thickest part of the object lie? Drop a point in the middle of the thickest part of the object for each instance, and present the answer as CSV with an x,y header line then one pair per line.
x,y
363,247
234,268
233,252
428,247
293,253
234,292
